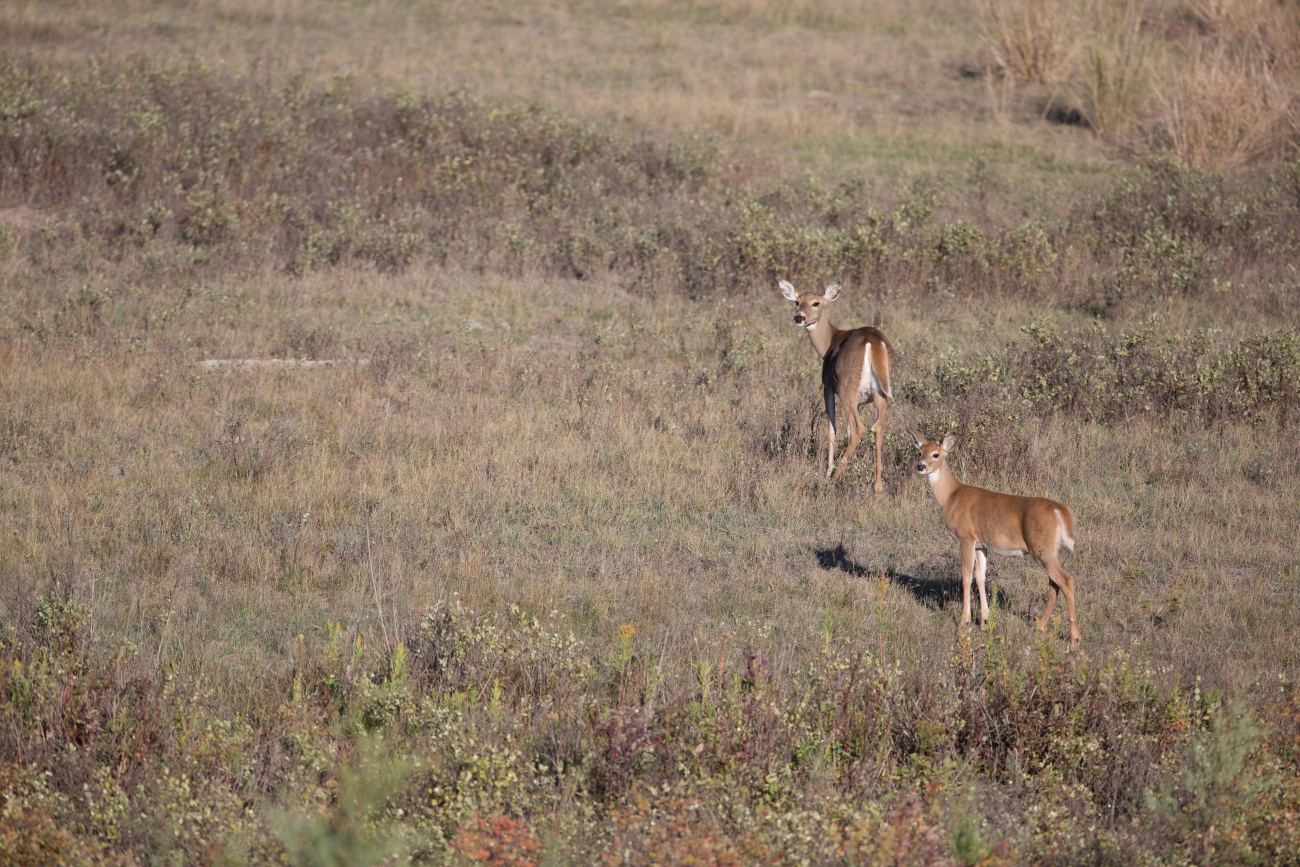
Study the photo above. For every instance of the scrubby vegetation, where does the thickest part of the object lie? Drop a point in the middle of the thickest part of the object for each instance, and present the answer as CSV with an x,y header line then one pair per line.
x,y
543,569
489,735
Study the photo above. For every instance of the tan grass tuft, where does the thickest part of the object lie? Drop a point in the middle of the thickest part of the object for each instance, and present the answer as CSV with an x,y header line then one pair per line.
x,y
1226,109
1113,78
1231,96
1031,40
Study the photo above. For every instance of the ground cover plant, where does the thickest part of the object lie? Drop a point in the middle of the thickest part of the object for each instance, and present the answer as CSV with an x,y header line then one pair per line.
x,y
542,568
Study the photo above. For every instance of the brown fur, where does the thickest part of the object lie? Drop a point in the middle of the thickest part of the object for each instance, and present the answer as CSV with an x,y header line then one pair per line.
x,y
842,353
1006,524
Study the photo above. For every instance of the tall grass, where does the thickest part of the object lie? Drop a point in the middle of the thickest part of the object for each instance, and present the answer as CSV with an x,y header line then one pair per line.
x,y
1228,94
1224,78
1227,107
1031,40
1114,71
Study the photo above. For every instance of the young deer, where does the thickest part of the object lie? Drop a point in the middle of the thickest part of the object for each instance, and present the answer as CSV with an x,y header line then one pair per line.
x,y
1005,524
856,367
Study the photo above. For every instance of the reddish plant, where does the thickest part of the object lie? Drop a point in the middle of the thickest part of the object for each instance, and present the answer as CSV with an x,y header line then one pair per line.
x,y
499,841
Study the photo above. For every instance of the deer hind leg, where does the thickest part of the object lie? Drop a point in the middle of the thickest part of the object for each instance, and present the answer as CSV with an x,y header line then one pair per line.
x,y
981,564
1059,578
1051,603
1065,581
881,403
830,430
856,430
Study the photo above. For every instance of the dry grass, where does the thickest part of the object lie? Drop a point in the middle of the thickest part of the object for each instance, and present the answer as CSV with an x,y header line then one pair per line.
x,y
1224,112
617,458
637,472
554,572
1113,77
1234,95
1224,74
1228,86
1031,40
868,86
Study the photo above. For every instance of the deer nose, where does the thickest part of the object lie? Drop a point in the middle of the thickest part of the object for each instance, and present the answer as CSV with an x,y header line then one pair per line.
x,y
798,319
920,468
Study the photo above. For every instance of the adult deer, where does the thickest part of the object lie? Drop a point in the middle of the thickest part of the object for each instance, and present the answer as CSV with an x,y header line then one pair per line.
x,y
1005,524
856,367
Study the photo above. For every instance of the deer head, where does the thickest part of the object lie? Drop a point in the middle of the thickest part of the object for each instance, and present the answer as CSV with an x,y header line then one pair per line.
x,y
809,306
932,453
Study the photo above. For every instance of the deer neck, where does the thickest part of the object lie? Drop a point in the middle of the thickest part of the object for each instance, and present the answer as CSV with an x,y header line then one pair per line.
x,y
822,335
944,484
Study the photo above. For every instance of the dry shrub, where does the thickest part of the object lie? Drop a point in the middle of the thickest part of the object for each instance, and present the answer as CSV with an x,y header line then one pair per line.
x,y
30,838
1103,376
1031,40
465,182
1113,73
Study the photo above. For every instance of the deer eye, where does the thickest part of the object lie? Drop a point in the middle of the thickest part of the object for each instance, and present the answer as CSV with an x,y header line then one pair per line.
x,y
817,304
935,455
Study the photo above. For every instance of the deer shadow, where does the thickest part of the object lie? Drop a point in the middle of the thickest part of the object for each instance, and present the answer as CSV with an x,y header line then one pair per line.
x,y
934,585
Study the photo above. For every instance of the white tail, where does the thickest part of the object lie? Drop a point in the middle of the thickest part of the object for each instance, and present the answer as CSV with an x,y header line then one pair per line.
x,y
1005,524
857,366
1066,539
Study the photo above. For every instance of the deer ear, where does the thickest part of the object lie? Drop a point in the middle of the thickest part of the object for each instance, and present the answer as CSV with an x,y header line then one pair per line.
x,y
832,292
788,291
949,443
916,441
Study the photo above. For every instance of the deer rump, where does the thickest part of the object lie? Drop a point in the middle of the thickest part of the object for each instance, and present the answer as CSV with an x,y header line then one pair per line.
x,y
851,373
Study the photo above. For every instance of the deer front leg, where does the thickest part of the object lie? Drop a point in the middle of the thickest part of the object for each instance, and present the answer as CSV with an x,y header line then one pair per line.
x,y
981,564
967,567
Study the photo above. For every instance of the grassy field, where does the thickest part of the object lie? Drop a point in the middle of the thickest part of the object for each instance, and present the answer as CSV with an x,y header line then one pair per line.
x,y
545,568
